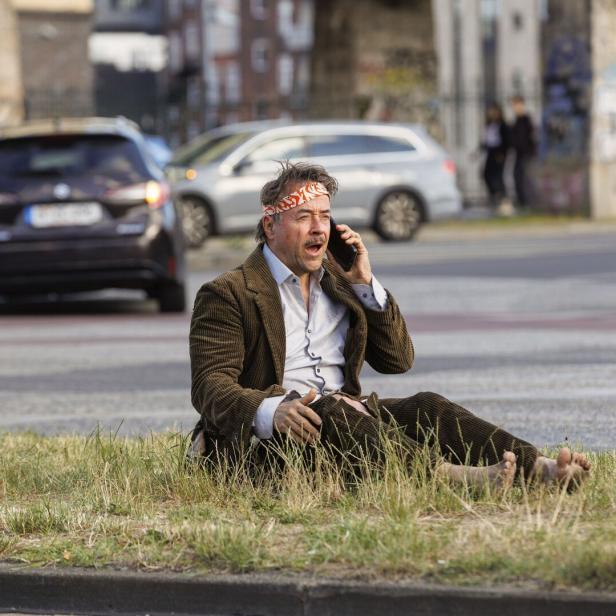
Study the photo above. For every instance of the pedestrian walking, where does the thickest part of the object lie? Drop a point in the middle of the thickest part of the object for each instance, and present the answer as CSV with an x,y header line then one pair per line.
x,y
523,144
495,144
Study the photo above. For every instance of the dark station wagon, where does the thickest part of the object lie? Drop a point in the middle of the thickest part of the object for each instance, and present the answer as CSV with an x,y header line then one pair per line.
x,y
84,207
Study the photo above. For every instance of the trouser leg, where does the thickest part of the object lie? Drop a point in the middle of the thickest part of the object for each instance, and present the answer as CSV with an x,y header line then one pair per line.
x,y
519,178
358,437
461,436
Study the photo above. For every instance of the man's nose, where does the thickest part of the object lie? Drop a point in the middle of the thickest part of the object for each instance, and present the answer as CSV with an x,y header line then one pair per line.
x,y
319,225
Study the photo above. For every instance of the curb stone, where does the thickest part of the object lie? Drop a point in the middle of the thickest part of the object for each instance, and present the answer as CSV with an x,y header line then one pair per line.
x,y
79,591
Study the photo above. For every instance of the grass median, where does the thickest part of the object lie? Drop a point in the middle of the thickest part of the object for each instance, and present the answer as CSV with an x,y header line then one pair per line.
x,y
107,501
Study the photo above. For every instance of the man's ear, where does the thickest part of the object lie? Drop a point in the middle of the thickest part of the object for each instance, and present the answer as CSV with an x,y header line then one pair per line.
x,y
268,224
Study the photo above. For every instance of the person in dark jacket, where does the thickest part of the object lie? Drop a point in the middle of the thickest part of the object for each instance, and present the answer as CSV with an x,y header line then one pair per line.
x,y
495,143
522,138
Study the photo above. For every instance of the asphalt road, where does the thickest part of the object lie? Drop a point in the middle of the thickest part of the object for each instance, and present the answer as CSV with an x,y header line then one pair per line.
x,y
522,330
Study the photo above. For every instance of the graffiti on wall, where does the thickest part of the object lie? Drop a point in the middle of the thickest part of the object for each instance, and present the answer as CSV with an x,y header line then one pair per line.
x,y
567,82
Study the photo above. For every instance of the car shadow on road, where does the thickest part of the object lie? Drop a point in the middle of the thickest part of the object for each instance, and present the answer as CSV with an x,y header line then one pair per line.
x,y
71,305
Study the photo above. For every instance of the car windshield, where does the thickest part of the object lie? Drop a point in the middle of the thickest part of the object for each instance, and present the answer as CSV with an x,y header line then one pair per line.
x,y
110,159
210,150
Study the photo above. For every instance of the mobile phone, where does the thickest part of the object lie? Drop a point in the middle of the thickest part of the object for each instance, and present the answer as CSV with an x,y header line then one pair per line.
x,y
343,253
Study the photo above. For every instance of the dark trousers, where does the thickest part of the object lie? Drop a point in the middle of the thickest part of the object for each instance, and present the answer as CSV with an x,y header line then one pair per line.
x,y
493,176
520,180
449,430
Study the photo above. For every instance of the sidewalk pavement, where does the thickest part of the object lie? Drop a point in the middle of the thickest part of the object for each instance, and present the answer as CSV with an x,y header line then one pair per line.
x,y
221,253
75,591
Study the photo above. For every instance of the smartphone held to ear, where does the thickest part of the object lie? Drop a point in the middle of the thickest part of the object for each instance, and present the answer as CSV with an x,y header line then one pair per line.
x,y
341,251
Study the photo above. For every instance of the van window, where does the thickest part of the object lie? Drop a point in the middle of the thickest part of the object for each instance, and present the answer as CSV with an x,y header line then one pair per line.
x,y
212,150
278,149
335,145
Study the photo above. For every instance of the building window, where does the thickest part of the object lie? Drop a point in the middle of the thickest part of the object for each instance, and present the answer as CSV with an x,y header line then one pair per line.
x,y
175,52
175,8
213,85
193,93
285,16
191,40
285,74
260,55
233,82
127,6
258,8
193,129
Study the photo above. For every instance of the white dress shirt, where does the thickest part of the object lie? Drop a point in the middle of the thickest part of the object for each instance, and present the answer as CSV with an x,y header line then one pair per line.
x,y
314,338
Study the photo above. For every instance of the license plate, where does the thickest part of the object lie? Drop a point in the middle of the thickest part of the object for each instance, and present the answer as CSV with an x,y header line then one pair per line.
x,y
64,214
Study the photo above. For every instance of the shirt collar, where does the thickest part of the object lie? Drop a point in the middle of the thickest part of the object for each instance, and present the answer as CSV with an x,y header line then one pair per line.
x,y
280,271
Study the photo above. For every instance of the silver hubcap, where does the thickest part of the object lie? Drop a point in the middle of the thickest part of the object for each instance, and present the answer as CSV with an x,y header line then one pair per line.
x,y
195,221
398,216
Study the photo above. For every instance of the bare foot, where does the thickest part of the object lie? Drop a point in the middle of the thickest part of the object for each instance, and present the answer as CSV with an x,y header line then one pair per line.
x,y
568,468
496,476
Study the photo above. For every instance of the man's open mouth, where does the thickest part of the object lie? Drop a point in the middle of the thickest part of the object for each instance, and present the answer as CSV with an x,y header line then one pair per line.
x,y
314,249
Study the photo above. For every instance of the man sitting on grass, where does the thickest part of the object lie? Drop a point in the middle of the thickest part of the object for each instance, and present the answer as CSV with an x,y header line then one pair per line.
x,y
277,346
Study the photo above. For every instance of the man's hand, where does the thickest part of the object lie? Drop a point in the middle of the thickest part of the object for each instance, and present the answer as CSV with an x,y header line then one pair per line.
x,y
297,420
361,272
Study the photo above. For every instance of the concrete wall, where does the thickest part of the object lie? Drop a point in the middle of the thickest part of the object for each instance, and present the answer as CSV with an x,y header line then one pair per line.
x,y
519,57
603,126
56,70
374,59
11,88
460,86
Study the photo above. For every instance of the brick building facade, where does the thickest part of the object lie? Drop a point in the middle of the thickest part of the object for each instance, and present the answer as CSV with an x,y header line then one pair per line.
x,y
236,60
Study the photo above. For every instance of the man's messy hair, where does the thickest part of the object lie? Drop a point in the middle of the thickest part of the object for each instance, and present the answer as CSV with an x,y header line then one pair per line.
x,y
289,176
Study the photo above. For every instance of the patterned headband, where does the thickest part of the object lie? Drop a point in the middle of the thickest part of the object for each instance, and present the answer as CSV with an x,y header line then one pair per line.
x,y
306,193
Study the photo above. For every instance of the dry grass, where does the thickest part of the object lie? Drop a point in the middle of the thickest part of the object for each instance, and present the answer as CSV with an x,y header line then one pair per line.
x,y
109,501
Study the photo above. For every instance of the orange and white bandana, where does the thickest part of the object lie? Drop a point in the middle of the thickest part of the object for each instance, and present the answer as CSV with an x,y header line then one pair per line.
x,y
306,193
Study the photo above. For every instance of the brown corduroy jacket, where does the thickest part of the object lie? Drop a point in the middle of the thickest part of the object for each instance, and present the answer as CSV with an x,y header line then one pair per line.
x,y
238,346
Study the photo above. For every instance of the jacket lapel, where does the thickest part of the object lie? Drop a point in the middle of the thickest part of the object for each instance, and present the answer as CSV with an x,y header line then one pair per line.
x,y
260,281
339,293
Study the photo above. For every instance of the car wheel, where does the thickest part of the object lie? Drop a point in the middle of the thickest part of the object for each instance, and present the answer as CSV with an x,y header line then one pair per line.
x,y
197,222
171,298
398,216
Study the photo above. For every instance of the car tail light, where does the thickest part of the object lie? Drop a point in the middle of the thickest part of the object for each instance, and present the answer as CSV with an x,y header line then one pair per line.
x,y
449,166
155,194
171,266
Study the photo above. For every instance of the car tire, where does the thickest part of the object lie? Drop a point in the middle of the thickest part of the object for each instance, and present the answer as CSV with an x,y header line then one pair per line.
x,y
171,298
399,215
197,220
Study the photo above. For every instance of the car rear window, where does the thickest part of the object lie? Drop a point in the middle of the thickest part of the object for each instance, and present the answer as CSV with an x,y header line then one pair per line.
x,y
335,145
113,159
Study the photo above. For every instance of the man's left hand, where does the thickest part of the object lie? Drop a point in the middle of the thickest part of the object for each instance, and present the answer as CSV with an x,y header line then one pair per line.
x,y
361,272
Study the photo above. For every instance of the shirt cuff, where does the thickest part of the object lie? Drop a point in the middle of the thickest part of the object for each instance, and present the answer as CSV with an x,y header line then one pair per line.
x,y
263,423
372,296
